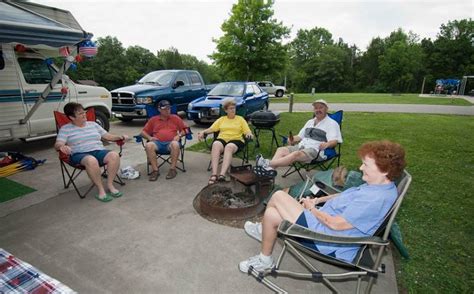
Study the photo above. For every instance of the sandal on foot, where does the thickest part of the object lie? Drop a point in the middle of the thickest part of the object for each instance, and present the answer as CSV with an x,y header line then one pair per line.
x,y
154,176
171,174
116,194
221,178
212,179
106,198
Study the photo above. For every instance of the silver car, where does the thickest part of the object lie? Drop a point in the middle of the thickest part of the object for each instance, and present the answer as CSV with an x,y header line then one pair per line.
x,y
271,89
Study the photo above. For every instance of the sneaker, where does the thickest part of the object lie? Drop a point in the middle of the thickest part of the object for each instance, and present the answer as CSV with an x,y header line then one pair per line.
x,y
256,263
262,162
254,230
265,172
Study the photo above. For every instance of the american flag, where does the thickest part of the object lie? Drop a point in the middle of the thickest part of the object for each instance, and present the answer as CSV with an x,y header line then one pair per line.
x,y
88,51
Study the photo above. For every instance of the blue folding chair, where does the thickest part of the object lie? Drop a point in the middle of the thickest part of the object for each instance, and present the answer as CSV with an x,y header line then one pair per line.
x,y
332,154
165,157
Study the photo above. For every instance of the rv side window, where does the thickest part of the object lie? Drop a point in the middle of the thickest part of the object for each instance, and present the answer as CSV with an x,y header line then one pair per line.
x,y
35,71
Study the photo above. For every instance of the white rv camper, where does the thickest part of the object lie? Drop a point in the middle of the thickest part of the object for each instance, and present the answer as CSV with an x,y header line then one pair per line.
x,y
30,88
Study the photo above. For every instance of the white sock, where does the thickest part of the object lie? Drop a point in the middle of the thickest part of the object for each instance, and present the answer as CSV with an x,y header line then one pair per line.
x,y
266,259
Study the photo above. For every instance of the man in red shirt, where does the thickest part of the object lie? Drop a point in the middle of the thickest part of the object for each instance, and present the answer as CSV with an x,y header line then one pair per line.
x,y
163,132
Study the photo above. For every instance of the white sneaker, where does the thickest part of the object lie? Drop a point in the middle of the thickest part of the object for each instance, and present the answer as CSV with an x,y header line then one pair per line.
x,y
256,263
254,230
262,162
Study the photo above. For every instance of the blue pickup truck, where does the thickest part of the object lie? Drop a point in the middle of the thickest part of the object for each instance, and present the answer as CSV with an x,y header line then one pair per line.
x,y
177,86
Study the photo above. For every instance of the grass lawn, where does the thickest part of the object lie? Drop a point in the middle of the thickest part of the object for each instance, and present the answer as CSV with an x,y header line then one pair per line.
x,y
435,217
373,98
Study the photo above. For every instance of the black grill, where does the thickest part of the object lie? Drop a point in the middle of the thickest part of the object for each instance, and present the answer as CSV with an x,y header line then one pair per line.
x,y
264,119
123,98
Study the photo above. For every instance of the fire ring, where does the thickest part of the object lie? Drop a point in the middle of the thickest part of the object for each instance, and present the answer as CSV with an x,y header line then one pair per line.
x,y
223,201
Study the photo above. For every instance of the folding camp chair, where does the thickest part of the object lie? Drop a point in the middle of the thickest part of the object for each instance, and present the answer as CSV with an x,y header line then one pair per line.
x,y
165,157
332,154
363,265
244,152
75,170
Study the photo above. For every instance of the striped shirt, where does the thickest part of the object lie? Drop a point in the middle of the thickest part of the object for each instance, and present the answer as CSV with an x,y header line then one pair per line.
x,y
82,139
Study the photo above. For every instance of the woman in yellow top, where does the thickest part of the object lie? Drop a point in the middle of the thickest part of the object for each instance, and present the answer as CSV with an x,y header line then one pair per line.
x,y
231,130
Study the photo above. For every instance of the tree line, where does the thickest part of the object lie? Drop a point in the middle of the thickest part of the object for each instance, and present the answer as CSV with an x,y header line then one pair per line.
x,y
253,48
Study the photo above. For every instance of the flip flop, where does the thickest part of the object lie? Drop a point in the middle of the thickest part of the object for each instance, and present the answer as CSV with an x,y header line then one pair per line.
x,y
117,194
107,198
221,178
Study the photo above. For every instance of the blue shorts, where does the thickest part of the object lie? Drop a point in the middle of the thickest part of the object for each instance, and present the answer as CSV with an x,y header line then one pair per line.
x,y
98,154
163,147
308,243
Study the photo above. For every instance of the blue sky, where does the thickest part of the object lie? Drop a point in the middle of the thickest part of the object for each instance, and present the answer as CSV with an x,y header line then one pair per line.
x,y
190,26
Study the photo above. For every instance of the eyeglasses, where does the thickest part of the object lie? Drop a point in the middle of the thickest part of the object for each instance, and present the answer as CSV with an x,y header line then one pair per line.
x,y
81,112
165,107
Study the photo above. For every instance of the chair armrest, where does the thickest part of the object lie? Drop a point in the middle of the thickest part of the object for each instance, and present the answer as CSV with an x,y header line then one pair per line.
x,y
188,135
215,134
63,156
290,229
139,139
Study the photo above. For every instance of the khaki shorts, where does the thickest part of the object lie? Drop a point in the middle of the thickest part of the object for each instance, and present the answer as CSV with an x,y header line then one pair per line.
x,y
311,153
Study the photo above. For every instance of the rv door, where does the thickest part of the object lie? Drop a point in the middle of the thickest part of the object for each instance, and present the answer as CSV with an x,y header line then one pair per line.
x,y
35,76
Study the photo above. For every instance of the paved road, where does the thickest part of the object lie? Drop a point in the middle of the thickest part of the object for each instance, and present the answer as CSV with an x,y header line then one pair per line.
x,y
368,107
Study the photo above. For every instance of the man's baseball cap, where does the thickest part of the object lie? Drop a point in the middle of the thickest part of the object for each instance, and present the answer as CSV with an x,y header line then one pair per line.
x,y
164,104
322,101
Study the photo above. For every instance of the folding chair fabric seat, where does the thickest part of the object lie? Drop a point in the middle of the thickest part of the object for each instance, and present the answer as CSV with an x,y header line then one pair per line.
x,y
332,154
244,152
76,169
363,264
166,156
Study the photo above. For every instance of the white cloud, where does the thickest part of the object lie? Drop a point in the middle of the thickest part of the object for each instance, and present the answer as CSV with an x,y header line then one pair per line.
x,y
190,26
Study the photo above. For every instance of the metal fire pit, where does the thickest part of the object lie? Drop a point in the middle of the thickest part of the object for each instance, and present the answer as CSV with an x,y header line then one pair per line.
x,y
238,199
228,202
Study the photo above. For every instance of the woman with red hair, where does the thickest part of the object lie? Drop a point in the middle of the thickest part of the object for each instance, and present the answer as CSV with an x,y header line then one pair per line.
x,y
356,212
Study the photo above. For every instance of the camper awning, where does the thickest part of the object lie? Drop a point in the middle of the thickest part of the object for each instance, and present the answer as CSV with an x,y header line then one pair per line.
x,y
34,24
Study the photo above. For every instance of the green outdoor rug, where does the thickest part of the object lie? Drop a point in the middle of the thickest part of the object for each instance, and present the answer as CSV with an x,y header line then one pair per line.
x,y
10,189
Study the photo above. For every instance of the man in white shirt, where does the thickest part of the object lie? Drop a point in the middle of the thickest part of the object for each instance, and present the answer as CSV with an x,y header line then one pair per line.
x,y
318,134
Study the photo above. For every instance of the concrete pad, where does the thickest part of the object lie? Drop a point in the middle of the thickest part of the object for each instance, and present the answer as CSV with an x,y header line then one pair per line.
x,y
151,240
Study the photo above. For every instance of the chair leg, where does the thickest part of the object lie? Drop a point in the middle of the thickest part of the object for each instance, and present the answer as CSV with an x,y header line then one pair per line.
x,y
119,180
71,181
182,160
61,164
292,169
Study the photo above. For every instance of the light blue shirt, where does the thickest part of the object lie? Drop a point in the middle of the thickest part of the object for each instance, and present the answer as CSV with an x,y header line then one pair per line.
x,y
364,207
82,139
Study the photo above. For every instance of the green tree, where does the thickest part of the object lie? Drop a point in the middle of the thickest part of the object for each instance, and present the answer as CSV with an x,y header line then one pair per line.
x,y
321,63
451,55
170,58
251,46
109,63
368,74
401,63
140,61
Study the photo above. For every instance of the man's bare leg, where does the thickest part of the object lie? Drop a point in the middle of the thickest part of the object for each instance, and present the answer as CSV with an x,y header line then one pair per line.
x,y
150,149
